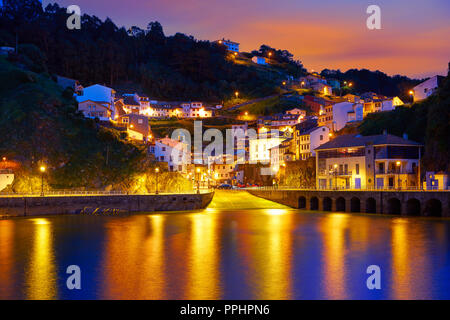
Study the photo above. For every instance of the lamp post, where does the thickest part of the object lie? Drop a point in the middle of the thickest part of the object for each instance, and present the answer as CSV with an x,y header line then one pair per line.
x,y
236,94
42,169
411,93
198,180
157,173
398,163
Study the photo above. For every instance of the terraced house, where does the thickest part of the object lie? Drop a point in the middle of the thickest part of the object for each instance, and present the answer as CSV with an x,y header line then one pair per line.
x,y
371,162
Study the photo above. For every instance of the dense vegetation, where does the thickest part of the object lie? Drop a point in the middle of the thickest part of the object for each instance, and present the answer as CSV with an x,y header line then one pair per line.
x,y
374,81
427,122
165,67
40,126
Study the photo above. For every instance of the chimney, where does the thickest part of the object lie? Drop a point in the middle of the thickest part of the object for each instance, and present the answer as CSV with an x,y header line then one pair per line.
x,y
405,136
384,132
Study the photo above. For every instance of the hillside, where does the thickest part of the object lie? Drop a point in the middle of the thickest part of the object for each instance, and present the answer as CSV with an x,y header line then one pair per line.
x,y
176,67
40,125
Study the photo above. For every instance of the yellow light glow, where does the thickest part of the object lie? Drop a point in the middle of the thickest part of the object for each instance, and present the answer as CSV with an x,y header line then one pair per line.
x,y
398,163
42,168
335,166
131,126
4,158
156,170
198,170
411,92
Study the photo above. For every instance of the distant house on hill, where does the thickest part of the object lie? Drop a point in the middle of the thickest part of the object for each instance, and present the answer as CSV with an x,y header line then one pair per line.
x,y
100,95
137,125
231,45
259,60
95,109
427,88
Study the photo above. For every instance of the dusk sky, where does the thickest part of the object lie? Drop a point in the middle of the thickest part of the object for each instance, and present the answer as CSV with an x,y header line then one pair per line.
x,y
414,39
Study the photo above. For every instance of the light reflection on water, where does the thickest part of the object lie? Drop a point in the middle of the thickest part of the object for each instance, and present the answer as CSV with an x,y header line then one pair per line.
x,y
225,254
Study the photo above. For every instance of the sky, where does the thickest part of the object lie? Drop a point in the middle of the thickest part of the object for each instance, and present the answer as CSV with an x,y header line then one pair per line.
x,y
414,38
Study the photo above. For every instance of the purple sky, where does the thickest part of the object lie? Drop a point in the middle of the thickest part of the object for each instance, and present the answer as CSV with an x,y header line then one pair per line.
x,y
414,39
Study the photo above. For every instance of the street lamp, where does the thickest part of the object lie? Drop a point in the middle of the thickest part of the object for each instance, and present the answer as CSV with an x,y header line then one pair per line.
x,y
42,169
157,173
198,180
270,54
411,93
398,163
236,94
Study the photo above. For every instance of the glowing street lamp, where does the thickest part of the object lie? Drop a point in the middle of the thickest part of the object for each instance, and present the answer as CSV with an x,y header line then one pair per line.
x,y
42,169
398,164
157,174
350,84
411,93
236,94
4,158
270,54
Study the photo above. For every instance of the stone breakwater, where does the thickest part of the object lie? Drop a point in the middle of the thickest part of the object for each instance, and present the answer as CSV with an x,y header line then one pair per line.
x,y
107,204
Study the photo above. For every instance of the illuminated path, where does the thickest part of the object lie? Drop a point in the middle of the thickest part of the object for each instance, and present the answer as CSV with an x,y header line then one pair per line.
x,y
225,199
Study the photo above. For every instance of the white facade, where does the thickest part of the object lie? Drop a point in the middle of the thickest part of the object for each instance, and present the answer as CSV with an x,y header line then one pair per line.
x,y
175,153
312,139
426,88
260,148
99,94
259,60
231,45
340,114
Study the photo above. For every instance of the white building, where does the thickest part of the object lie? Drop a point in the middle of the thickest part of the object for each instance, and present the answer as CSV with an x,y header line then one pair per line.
x,y
260,147
174,152
99,94
309,140
340,114
259,60
427,88
231,45
363,162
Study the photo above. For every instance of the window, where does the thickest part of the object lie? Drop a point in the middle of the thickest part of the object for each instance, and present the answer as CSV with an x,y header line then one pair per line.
x,y
163,148
140,121
321,137
357,168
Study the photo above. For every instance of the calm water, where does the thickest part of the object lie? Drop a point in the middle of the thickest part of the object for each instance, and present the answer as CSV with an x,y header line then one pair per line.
x,y
241,247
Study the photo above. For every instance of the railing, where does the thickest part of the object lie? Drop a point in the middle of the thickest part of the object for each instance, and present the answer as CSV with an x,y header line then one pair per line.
x,y
91,193
345,189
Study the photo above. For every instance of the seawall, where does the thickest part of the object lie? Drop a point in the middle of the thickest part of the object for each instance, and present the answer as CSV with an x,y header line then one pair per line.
x,y
107,204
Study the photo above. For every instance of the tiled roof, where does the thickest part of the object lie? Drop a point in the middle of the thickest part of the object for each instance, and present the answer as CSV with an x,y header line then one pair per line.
x,y
352,140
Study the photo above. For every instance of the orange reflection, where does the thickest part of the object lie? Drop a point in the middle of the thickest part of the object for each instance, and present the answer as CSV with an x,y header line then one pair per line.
x,y
134,259
41,273
203,259
410,263
333,229
269,255
6,258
